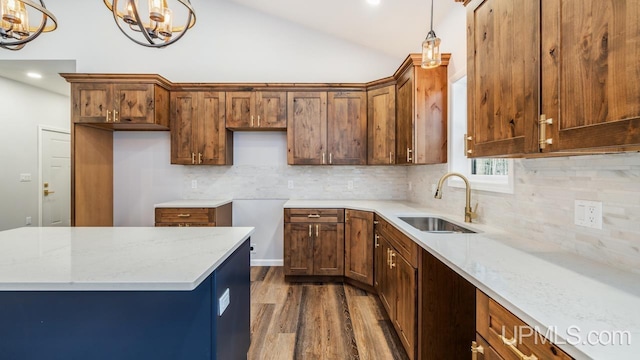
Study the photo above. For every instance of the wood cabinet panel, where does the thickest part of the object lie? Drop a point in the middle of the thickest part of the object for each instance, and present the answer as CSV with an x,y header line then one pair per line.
x,y
271,109
90,102
314,215
502,76
307,128
328,249
359,246
488,353
298,249
218,216
381,146
386,288
240,107
404,120
347,128
183,126
590,78
406,302
379,258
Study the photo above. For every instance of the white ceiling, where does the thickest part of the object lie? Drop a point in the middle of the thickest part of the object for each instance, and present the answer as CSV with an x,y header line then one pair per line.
x,y
394,27
49,69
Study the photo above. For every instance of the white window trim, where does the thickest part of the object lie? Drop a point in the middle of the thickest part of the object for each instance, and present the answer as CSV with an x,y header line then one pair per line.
x,y
498,184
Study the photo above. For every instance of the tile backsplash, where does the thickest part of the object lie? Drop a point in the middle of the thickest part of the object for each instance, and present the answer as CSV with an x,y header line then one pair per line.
x,y
542,206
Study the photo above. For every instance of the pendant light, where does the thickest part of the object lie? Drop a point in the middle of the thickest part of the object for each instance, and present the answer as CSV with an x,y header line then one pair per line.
x,y
15,31
431,56
153,27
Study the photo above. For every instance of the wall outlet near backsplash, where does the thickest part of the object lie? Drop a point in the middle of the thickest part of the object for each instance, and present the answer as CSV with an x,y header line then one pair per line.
x,y
588,214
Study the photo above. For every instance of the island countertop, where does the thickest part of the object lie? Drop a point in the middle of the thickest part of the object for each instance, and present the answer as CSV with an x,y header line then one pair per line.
x,y
114,258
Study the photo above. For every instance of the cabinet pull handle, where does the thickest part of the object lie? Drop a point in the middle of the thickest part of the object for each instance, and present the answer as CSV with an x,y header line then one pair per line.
x,y
376,240
251,120
309,230
322,158
511,344
409,159
193,158
330,158
317,230
258,120
467,138
375,222
390,157
391,263
108,113
199,158
543,141
388,257
313,216
184,215
115,116
475,349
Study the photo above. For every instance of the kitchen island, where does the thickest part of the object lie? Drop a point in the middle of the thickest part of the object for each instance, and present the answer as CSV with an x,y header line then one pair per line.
x,y
124,293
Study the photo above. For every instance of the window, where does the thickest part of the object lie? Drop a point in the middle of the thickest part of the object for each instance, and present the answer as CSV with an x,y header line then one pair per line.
x,y
484,174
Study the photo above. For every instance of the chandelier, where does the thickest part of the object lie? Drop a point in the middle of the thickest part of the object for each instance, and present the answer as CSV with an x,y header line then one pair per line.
x,y
15,31
431,56
151,25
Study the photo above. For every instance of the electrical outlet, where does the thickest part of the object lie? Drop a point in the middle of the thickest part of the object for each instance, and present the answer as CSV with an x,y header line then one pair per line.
x,y
28,220
252,248
433,188
194,184
410,186
290,184
350,185
25,177
588,214
223,302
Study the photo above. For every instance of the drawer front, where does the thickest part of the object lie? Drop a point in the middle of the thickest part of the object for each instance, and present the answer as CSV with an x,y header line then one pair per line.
x,y
509,335
185,224
314,215
185,215
403,245
483,351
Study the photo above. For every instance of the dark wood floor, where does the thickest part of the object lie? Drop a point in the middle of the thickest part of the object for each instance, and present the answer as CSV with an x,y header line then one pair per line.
x,y
317,321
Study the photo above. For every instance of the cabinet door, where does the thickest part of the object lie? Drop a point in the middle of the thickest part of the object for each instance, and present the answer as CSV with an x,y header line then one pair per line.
x,y
347,128
306,128
183,123
387,290
91,102
214,140
133,103
298,249
271,110
240,108
378,267
358,243
488,353
404,119
381,104
502,76
590,77
406,302
328,249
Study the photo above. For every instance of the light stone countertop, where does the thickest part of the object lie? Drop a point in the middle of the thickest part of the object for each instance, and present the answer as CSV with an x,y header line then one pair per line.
x,y
570,299
195,203
114,258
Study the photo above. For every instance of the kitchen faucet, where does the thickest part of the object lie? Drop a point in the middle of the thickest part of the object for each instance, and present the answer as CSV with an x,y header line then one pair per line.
x,y
468,213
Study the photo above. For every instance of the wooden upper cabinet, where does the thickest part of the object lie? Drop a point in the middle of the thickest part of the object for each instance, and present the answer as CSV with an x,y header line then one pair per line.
x,y
307,128
359,246
256,110
381,126
124,105
502,77
198,135
421,112
347,128
590,76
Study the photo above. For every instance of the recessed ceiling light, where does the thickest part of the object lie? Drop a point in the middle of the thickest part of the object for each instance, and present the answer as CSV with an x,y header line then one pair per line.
x,y
34,75
373,2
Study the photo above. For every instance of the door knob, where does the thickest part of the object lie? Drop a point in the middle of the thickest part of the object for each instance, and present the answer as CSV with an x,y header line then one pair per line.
x,y
47,192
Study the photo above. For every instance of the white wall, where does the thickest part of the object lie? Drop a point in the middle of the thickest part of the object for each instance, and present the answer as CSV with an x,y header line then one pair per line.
x,y
22,109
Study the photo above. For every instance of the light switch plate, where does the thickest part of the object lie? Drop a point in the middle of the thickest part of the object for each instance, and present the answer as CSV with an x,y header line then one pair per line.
x,y
588,214
223,302
25,177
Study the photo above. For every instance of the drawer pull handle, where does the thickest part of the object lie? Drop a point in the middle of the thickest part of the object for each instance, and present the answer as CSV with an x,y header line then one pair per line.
x,y
377,237
184,215
388,257
511,344
310,230
314,216
392,264
475,349
317,230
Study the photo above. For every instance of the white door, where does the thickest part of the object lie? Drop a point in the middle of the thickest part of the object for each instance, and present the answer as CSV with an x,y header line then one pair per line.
x,y
55,170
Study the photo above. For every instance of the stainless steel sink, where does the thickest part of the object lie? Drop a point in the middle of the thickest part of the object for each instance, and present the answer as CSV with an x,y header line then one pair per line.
x,y
435,225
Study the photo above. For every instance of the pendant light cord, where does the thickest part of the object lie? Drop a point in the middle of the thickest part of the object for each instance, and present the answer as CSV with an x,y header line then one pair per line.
x,y
431,16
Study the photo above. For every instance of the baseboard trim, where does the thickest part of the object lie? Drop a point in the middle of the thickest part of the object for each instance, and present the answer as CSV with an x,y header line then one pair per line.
x,y
267,262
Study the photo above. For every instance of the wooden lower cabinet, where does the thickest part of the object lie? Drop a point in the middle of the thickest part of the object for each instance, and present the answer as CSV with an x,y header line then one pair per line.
x,y
358,243
191,217
502,335
314,247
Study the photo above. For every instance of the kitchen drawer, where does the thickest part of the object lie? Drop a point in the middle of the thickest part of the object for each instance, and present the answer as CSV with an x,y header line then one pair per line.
x,y
185,224
314,215
404,245
494,321
483,350
185,215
